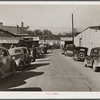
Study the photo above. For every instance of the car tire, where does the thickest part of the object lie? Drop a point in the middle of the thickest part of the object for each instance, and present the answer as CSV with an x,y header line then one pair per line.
x,y
14,65
21,65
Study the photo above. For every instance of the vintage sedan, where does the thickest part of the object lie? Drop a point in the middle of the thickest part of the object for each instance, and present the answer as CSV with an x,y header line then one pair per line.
x,y
21,56
80,53
7,64
69,51
93,59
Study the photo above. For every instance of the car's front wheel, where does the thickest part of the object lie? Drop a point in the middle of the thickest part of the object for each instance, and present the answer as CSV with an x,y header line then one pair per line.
x,y
21,65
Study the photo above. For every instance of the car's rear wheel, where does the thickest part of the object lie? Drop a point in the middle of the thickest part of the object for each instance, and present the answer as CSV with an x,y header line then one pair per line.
x,y
81,55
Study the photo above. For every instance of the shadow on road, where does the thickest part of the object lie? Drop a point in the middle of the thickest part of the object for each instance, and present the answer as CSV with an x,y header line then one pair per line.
x,y
17,80
43,60
36,65
25,89
45,55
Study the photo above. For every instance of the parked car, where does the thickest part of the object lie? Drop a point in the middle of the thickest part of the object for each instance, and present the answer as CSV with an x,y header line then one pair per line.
x,y
7,64
21,56
69,51
93,59
80,53
44,49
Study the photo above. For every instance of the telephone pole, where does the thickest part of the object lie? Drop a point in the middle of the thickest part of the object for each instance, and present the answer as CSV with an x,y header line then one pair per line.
x,y
72,29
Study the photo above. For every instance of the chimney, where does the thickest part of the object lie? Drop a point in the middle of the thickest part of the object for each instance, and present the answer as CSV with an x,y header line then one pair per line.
x,y
1,25
22,24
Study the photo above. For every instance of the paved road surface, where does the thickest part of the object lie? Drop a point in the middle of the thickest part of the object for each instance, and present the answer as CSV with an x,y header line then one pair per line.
x,y
53,72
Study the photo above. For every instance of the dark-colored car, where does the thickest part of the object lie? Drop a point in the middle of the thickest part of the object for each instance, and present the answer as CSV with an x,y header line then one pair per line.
x,y
93,59
80,53
69,50
7,64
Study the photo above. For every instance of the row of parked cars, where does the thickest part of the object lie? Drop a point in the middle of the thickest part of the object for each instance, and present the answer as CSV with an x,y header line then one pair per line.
x,y
80,54
14,59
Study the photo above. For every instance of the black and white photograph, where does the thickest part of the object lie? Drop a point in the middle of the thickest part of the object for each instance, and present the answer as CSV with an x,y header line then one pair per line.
x,y
51,47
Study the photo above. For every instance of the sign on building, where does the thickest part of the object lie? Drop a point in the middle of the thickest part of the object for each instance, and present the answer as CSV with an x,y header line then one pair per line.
x,y
36,39
66,38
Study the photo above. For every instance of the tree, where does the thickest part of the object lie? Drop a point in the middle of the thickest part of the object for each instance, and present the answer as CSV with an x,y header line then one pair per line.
x,y
30,33
37,32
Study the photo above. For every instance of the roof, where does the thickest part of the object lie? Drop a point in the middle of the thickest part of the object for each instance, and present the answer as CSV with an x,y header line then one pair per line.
x,y
18,48
90,27
7,32
9,41
95,27
96,48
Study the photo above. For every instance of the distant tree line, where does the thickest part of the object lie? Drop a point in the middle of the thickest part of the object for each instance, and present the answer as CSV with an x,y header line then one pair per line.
x,y
47,34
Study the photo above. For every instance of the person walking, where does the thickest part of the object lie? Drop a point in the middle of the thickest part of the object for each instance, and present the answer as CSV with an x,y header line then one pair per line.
x,y
34,53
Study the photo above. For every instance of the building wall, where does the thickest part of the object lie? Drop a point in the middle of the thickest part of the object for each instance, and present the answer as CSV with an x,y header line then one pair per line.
x,y
90,39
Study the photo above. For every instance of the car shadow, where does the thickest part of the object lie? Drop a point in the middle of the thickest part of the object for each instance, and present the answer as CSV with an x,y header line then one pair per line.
x,y
18,79
43,60
35,66
26,89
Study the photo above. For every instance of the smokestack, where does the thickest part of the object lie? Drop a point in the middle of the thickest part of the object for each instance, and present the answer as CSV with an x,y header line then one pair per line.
x,y
1,25
22,24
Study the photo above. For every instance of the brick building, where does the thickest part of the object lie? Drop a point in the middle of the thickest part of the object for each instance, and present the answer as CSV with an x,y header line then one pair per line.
x,y
15,29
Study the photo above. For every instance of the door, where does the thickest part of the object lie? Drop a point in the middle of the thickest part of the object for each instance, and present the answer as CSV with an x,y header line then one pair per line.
x,y
5,61
26,55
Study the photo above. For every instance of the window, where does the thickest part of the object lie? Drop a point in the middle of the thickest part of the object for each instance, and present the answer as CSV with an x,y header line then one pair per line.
x,y
25,51
95,51
17,51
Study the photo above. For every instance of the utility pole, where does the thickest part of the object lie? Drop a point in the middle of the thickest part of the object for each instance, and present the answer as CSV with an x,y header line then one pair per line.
x,y
72,29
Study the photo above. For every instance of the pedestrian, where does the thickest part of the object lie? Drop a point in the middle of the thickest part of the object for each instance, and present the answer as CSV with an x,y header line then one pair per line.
x,y
34,53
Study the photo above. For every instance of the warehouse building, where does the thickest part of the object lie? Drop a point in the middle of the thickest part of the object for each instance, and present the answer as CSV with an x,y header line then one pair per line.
x,y
90,38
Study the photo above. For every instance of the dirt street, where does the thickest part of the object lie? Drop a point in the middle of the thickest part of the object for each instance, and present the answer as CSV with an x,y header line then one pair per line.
x,y
53,72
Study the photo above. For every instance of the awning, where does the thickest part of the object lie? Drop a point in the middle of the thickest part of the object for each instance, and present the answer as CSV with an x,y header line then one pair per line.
x,y
9,41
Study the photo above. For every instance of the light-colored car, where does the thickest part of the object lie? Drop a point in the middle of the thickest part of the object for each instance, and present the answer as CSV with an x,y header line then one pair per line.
x,y
21,56
93,59
7,64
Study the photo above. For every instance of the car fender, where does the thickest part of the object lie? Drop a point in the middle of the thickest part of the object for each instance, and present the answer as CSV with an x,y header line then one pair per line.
x,y
18,61
1,73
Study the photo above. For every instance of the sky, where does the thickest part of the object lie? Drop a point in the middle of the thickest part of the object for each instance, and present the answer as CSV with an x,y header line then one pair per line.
x,y
57,18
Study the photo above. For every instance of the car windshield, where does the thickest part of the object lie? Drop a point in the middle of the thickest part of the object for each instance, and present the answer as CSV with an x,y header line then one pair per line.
x,y
95,51
15,51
